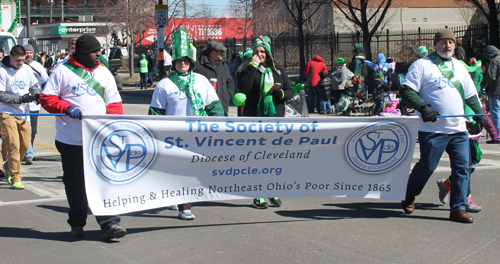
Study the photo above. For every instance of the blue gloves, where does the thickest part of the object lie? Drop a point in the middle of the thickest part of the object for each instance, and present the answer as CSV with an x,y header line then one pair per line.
x,y
74,112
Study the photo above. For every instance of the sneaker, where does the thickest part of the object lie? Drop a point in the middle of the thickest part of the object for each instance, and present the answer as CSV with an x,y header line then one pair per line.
x,y
186,215
443,191
471,206
17,186
260,203
76,232
173,207
8,177
115,231
28,161
276,202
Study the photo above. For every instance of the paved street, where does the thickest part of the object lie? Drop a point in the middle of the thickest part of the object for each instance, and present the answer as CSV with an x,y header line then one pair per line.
x,y
33,226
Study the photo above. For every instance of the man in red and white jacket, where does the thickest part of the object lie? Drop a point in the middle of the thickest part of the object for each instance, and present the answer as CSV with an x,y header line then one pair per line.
x,y
66,92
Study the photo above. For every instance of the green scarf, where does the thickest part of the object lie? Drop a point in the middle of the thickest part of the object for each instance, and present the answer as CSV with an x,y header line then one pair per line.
x,y
266,105
187,86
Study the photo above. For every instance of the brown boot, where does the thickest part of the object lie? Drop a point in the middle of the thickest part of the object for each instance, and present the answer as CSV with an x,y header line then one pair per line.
x,y
461,216
408,204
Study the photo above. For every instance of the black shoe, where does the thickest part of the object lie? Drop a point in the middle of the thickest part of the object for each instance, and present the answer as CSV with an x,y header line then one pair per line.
x,y
76,232
493,141
275,201
115,231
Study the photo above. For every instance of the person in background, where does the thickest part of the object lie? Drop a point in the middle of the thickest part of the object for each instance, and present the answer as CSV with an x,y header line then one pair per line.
x,y
143,71
42,77
256,82
213,65
235,63
492,77
167,63
1,54
379,87
58,97
151,67
184,93
380,66
460,51
118,79
479,48
325,91
311,71
193,51
422,51
18,87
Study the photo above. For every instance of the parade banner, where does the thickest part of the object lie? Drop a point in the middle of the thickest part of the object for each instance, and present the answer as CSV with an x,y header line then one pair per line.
x,y
135,163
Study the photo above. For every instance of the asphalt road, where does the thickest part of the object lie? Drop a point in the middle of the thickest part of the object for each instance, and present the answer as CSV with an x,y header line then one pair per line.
x,y
33,226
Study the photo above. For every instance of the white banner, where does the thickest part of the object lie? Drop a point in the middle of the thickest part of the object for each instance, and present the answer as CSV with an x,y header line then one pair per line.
x,y
135,163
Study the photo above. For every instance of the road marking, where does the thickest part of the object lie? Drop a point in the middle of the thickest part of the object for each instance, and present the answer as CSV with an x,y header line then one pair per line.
x,y
45,147
33,201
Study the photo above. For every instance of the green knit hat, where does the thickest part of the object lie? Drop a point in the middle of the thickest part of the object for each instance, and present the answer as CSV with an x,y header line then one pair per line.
x,y
340,60
379,75
248,54
240,53
263,41
180,44
358,46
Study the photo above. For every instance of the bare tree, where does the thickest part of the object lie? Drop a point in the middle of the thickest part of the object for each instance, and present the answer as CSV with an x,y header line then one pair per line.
x,y
242,9
301,11
206,13
131,17
468,12
368,15
269,23
490,9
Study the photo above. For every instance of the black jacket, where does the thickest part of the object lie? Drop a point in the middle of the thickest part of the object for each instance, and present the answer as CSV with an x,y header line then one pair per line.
x,y
249,84
492,74
219,70
151,64
325,88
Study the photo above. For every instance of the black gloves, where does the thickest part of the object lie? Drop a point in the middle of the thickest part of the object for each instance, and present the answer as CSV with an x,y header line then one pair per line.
x,y
28,98
427,113
476,128
278,95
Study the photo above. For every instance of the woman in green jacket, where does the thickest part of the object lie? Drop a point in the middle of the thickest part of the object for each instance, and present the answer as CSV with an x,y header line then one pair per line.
x,y
143,70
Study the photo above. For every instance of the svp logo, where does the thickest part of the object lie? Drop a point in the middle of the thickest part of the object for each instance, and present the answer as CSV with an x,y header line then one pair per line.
x,y
377,148
122,151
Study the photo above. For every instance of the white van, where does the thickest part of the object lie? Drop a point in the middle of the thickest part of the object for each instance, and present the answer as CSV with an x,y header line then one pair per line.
x,y
7,41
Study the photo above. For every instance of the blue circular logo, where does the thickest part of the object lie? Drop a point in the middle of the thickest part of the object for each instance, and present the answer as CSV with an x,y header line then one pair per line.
x,y
121,151
378,147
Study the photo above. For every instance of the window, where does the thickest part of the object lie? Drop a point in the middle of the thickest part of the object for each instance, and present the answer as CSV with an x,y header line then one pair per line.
x,y
414,20
85,3
425,20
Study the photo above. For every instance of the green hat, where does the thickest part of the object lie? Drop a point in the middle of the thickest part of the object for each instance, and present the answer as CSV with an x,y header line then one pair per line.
x,y
143,55
248,54
379,75
358,46
263,41
340,60
180,44
422,50
240,53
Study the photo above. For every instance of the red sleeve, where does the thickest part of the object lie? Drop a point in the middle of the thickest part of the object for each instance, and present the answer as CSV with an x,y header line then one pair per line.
x,y
114,109
52,104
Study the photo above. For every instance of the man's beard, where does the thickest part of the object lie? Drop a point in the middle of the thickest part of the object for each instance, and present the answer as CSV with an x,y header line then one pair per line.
x,y
445,54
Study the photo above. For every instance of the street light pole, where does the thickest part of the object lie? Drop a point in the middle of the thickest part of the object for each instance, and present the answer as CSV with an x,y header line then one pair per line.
x,y
160,42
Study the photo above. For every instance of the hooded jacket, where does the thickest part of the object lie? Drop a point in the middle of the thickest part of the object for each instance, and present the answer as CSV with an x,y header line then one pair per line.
x,y
356,65
380,64
219,70
312,70
492,74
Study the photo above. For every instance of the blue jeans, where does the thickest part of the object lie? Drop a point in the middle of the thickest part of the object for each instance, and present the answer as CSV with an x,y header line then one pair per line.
x,y
494,103
432,146
314,99
34,124
379,106
151,76
325,106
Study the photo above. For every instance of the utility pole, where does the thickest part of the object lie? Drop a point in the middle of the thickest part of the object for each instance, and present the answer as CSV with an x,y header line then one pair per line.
x,y
28,18
51,2
185,14
160,40
62,11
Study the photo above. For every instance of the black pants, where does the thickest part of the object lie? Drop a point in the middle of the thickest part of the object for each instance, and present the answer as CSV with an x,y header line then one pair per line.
x,y
74,184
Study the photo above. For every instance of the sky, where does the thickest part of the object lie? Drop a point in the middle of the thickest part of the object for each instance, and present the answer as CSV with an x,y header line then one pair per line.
x,y
218,5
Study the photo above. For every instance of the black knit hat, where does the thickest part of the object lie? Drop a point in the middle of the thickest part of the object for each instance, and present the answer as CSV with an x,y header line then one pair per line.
x,y
86,44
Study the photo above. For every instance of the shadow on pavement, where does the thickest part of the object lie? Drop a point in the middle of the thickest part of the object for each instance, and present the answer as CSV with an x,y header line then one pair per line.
x,y
362,210
15,232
